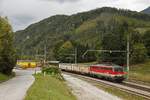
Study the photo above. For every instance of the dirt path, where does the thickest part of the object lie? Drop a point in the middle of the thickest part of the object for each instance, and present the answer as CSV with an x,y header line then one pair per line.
x,y
86,91
15,88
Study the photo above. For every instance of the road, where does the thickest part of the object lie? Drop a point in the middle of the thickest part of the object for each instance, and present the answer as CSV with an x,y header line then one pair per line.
x,y
86,91
15,88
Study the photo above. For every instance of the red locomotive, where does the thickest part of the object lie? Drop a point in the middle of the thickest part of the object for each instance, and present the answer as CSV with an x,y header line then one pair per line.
x,y
108,71
105,71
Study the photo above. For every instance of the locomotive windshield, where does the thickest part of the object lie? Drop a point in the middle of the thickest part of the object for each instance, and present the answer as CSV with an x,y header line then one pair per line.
x,y
118,69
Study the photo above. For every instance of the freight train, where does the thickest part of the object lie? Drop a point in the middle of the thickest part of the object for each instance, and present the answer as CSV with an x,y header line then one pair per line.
x,y
110,72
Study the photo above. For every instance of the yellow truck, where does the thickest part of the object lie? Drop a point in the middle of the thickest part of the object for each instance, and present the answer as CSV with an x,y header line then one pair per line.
x,y
27,64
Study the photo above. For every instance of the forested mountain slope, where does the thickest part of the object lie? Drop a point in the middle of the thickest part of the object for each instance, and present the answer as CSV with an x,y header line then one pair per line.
x,y
86,30
146,11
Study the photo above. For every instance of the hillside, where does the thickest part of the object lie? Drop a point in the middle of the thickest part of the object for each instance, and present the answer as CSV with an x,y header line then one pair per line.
x,y
146,11
86,28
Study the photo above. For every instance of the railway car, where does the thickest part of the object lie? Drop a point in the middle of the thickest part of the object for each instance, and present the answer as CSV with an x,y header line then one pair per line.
x,y
105,71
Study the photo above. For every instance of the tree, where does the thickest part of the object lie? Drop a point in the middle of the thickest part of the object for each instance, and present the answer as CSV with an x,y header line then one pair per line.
x,y
56,49
7,50
138,50
66,52
114,39
139,53
146,39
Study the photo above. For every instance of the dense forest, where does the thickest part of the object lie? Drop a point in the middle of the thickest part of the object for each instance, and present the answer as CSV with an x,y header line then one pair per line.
x,y
100,29
7,50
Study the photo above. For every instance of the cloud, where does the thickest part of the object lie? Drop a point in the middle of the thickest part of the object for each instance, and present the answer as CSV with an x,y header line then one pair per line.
x,y
24,12
136,5
62,1
19,21
22,19
1,11
1,2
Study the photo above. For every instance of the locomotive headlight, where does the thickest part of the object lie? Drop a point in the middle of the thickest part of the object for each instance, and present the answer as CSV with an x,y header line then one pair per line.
x,y
119,75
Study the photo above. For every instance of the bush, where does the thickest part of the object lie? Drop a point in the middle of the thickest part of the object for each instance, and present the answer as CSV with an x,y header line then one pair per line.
x,y
52,70
139,53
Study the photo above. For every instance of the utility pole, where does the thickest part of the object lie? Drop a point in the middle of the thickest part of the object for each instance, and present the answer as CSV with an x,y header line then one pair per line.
x,y
36,54
45,52
45,48
75,55
128,53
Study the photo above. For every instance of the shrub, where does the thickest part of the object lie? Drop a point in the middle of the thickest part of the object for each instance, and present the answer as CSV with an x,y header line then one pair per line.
x,y
52,70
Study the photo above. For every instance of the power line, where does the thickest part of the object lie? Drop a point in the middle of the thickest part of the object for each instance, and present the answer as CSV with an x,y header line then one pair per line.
x,y
108,51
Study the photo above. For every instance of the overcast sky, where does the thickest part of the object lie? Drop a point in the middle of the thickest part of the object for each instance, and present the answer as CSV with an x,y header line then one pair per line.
x,y
22,13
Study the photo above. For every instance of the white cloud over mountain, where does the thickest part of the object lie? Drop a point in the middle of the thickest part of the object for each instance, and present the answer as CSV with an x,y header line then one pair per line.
x,y
24,12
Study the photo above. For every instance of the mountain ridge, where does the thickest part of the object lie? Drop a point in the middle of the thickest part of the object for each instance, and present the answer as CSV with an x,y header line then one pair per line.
x,y
147,10
84,28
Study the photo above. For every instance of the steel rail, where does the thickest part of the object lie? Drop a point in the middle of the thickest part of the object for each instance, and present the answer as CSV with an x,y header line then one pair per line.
x,y
132,90
139,86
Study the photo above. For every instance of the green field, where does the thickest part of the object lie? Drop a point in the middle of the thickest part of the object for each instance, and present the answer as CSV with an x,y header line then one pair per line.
x,y
49,88
140,72
4,77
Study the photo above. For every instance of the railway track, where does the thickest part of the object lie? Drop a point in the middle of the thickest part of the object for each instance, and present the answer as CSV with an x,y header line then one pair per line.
x,y
132,88
138,86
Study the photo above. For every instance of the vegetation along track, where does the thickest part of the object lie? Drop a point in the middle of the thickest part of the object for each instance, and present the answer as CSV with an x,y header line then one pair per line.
x,y
133,88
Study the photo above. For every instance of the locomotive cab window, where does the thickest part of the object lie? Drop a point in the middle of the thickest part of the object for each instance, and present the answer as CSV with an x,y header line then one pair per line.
x,y
109,68
118,69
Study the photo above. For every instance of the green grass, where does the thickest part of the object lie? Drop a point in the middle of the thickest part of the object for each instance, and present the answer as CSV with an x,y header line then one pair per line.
x,y
49,88
140,72
5,77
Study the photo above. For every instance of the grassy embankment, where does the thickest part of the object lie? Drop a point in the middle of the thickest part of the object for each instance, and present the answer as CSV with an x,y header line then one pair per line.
x,y
140,72
49,87
5,77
